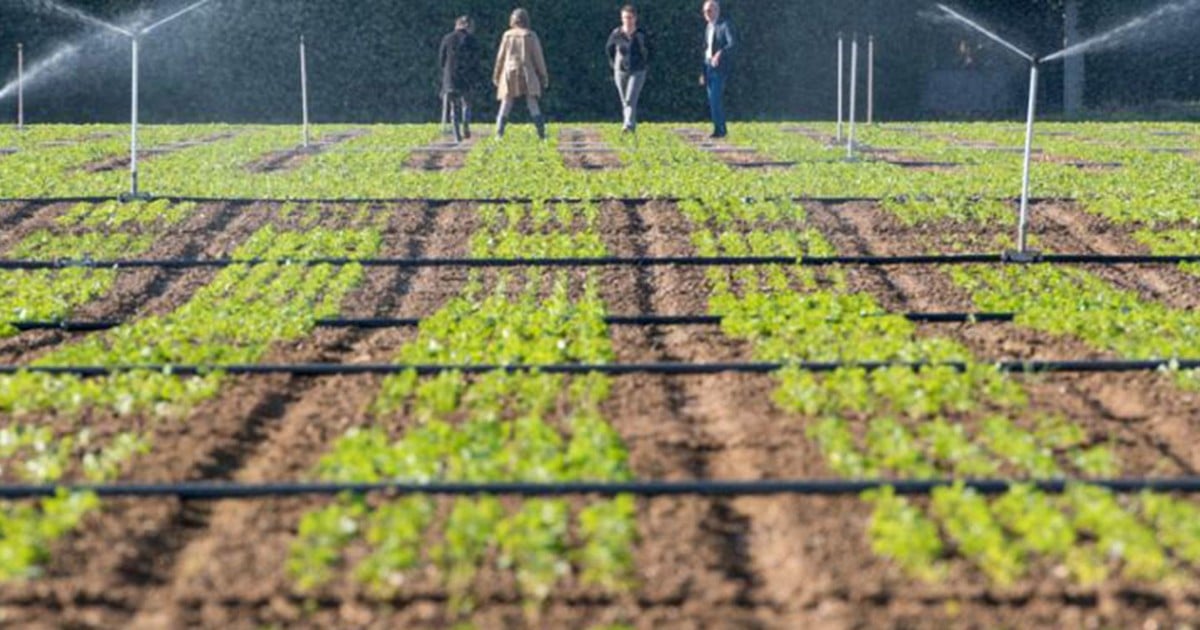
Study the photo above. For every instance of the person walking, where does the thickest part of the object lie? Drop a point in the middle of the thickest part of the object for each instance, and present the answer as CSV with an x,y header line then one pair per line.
x,y
520,72
718,63
629,55
460,58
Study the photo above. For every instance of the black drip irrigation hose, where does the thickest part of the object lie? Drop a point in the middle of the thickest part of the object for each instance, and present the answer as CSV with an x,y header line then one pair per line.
x,y
612,261
612,369
612,320
211,491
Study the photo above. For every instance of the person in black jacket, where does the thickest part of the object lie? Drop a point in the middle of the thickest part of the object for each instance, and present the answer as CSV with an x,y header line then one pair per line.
x,y
629,55
718,61
460,58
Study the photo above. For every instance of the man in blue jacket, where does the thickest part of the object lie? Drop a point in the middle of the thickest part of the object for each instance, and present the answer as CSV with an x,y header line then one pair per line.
x,y
718,61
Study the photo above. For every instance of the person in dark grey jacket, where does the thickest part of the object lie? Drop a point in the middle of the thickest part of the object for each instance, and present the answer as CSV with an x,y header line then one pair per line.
x,y
460,58
718,61
629,55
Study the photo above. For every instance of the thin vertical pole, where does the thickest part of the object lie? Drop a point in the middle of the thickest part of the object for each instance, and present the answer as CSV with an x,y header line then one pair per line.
x,y
304,89
853,95
841,61
871,80
1022,228
20,87
133,125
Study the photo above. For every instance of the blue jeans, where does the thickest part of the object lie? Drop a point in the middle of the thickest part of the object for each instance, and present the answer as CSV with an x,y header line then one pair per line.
x,y
629,86
714,82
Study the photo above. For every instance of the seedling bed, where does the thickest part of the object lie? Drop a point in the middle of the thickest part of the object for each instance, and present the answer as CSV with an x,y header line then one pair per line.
x,y
755,548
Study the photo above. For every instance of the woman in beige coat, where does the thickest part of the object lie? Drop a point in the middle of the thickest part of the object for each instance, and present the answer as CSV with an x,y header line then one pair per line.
x,y
520,71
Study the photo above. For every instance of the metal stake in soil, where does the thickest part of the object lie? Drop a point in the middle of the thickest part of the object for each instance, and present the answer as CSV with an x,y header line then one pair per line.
x,y
20,87
304,90
853,95
841,64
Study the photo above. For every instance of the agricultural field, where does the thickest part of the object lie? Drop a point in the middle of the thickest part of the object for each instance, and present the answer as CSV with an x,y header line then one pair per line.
x,y
622,311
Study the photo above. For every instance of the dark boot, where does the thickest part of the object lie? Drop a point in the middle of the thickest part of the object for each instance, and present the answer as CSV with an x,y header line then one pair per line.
x,y
466,123
540,122
501,123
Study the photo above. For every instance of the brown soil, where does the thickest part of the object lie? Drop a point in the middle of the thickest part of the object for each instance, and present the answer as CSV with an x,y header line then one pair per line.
x,y
291,159
732,155
1147,411
810,133
584,149
19,220
1083,165
1068,228
443,156
778,562
118,162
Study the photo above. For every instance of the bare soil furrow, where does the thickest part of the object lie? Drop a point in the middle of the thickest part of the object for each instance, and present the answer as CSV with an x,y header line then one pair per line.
x,y
292,159
1070,229
585,149
734,156
1145,413
251,538
443,156
118,162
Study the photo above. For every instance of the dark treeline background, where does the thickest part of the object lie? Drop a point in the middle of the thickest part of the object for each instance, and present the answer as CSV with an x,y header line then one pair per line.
x,y
375,60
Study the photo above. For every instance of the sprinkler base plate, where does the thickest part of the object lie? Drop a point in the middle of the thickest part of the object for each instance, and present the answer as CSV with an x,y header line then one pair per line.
x,y
1025,257
131,197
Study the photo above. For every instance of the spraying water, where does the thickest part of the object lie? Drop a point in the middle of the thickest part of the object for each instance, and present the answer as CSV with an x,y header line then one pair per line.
x,y
47,67
1133,28
178,14
78,14
987,33
56,61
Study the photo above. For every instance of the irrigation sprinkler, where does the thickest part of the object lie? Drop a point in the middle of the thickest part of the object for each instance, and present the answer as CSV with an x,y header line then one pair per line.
x,y
1103,40
853,95
135,37
20,87
304,90
841,63
1022,254
871,80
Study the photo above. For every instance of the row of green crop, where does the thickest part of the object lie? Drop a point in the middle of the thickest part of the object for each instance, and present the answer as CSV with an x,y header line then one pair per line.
x,y
655,162
53,294
236,318
938,422
495,427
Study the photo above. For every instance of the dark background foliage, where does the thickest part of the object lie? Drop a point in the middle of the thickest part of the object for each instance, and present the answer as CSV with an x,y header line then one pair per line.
x,y
374,60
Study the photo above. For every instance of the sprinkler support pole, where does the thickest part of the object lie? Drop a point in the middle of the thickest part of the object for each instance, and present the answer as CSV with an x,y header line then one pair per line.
x,y
1022,228
304,90
853,96
20,87
871,80
133,125
841,61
